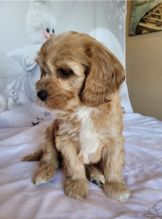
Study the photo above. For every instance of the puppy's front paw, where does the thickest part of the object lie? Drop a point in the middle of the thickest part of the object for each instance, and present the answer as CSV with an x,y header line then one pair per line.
x,y
77,188
117,191
44,173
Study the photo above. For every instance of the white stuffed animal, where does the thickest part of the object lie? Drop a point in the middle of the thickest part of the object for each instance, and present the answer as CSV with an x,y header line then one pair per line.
x,y
40,21
3,103
10,72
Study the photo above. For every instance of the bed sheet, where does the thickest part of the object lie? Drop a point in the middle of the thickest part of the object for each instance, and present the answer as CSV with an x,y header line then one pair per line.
x,y
20,199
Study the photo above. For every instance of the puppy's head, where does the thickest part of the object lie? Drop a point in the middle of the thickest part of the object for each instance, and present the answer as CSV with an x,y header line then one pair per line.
x,y
77,70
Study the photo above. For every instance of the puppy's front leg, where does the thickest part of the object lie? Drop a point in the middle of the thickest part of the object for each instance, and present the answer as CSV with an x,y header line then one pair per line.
x,y
49,161
48,165
75,182
112,164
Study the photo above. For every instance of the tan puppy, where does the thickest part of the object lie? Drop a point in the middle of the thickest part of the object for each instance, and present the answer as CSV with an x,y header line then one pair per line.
x,y
80,81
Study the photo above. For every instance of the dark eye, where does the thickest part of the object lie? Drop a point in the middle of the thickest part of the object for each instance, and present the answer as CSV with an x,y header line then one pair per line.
x,y
53,31
64,73
47,29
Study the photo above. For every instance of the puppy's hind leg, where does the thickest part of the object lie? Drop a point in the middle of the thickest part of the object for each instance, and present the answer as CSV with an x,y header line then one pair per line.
x,y
112,163
36,156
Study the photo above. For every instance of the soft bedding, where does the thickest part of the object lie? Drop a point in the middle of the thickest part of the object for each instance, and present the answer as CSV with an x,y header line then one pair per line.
x,y
20,199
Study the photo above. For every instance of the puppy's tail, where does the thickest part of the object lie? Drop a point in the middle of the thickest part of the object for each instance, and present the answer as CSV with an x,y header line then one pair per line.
x,y
36,156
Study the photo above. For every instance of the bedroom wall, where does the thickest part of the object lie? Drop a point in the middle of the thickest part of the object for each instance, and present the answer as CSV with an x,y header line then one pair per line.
x,y
144,70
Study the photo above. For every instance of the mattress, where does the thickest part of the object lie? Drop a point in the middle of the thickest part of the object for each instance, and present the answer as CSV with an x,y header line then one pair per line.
x,y
20,199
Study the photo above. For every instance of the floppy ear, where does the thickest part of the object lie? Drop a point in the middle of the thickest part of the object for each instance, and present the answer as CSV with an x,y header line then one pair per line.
x,y
104,77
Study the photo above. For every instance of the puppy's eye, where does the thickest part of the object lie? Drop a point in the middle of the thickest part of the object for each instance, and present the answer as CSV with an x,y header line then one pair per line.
x,y
64,73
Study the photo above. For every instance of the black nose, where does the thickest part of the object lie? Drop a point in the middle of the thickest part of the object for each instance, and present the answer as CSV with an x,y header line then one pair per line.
x,y
42,94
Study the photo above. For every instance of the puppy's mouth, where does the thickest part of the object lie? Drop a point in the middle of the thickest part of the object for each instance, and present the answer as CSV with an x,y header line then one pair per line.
x,y
55,98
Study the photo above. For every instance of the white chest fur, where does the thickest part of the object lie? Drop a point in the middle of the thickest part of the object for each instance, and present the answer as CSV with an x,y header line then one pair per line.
x,y
89,138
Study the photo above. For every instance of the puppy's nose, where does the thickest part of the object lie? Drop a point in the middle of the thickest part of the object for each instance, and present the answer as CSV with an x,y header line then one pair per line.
x,y
42,94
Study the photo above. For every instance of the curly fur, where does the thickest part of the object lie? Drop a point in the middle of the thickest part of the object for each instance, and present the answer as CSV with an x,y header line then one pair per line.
x,y
87,105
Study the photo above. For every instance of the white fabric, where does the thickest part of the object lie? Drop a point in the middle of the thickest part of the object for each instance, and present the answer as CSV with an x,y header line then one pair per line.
x,y
3,103
24,116
9,69
19,198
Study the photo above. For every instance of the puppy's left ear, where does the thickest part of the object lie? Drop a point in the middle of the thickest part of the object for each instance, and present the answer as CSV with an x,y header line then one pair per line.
x,y
104,77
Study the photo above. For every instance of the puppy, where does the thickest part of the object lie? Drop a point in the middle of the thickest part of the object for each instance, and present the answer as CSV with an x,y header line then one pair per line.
x,y
80,81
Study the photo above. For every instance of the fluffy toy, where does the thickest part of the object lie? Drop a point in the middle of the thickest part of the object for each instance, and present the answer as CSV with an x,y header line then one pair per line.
x,y
6,73
40,21
10,71
3,103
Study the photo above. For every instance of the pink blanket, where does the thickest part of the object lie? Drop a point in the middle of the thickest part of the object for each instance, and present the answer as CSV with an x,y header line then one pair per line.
x,y
20,199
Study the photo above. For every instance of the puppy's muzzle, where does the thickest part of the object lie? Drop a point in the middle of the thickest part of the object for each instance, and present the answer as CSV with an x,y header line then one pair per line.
x,y
42,94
